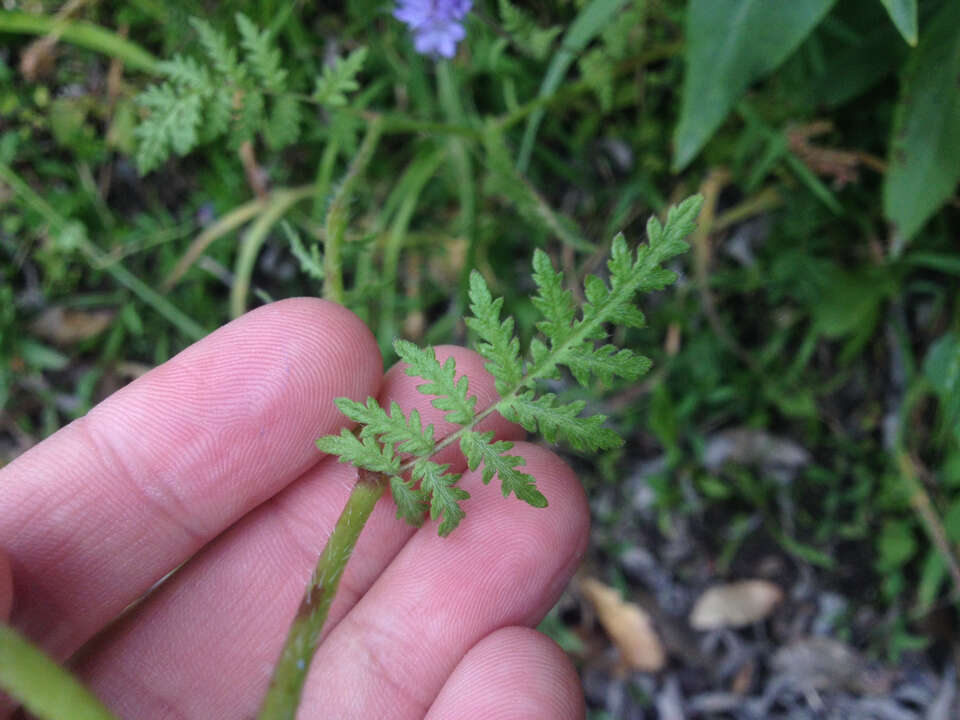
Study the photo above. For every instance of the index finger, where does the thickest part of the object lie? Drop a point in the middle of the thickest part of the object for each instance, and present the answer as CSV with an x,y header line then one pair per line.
x,y
103,509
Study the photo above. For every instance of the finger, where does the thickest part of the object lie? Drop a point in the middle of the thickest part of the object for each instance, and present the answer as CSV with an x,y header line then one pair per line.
x,y
7,705
505,565
204,644
6,587
513,674
94,516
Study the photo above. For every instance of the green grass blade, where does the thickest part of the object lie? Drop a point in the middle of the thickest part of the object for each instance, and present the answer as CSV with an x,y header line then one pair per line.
x,y
47,690
587,25
83,34
903,13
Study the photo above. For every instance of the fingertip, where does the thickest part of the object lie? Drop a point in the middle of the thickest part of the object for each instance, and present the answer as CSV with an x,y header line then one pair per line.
x,y
354,338
512,674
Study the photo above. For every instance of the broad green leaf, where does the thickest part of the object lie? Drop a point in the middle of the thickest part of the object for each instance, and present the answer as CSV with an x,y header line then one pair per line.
x,y
730,44
904,16
942,370
925,147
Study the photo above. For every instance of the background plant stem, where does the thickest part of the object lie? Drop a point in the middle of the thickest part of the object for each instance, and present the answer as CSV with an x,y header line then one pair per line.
x,y
291,670
337,216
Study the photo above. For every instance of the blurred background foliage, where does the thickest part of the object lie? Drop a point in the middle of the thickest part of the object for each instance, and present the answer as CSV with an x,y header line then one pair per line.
x,y
159,175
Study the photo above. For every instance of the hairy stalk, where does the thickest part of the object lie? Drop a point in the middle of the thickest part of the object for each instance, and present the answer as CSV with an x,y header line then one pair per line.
x,y
290,673
338,214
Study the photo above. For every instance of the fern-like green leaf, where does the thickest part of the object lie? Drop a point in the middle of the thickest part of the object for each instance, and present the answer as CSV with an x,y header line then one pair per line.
x,y
568,340
250,118
264,59
499,346
606,363
560,422
528,35
451,393
553,301
310,259
219,113
339,78
171,125
219,50
283,125
363,452
479,449
445,496
596,292
392,427
187,73
667,241
411,501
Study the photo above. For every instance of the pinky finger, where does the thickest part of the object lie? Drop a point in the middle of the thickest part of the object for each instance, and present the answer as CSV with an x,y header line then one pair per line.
x,y
512,674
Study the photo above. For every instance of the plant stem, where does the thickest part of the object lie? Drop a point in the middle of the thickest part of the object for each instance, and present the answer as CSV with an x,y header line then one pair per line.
x,y
231,221
277,205
337,216
290,673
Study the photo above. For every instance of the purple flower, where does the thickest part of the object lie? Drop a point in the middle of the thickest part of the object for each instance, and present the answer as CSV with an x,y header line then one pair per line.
x,y
437,25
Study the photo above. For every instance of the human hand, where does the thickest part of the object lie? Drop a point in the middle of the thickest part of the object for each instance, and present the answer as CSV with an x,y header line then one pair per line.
x,y
209,459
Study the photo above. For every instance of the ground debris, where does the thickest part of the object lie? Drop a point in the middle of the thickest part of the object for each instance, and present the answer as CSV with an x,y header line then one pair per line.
x,y
628,625
65,326
735,604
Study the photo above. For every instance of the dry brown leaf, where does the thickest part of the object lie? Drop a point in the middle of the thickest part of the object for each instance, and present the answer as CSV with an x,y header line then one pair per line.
x,y
64,326
628,625
735,604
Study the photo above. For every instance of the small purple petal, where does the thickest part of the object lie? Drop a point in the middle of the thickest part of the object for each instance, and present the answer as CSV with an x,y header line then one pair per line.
x,y
437,25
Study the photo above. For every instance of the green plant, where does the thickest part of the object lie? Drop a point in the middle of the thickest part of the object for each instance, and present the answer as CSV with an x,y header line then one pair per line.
x,y
240,96
392,450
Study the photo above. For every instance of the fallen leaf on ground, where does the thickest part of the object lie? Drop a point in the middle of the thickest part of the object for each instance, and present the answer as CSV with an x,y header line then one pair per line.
x,y
628,625
64,326
735,604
